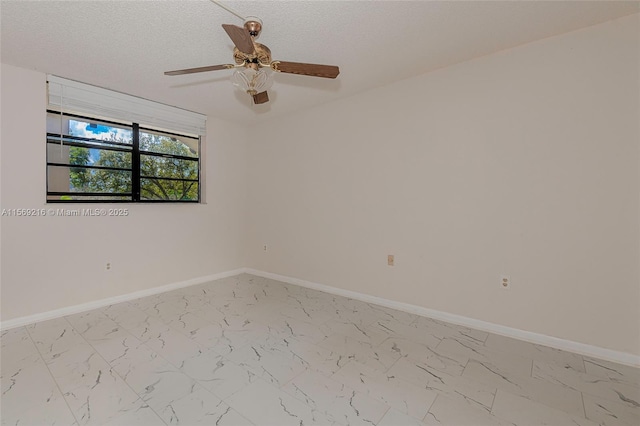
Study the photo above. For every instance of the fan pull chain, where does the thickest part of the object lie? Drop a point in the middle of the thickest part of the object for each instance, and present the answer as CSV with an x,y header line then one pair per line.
x,y
228,9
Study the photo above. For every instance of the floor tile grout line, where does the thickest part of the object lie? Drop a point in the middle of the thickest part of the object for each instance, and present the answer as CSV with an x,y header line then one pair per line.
x,y
531,374
385,413
431,406
200,345
282,387
50,373
111,366
495,395
584,406
178,368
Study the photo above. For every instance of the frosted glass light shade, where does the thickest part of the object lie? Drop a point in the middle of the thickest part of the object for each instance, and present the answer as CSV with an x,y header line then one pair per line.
x,y
252,81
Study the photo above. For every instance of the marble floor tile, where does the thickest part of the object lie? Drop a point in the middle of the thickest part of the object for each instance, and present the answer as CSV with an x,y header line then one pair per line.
x,y
520,410
93,390
198,407
394,417
442,329
449,385
316,358
209,313
266,405
612,371
126,314
535,352
219,375
355,331
164,386
108,398
146,302
270,361
447,411
414,332
93,325
299,311
28,387
298,355
387,314
144,326
141,415
174,346
407,348
249,350
610,413
283,326
222,339
188,323
505,363
550,394
54,411
338,402
166,309
17,349
54,337
349,348
123,350
390,390
588,384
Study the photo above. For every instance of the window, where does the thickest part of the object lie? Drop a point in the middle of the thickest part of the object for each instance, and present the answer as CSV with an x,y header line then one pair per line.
x,y
98,160
106,157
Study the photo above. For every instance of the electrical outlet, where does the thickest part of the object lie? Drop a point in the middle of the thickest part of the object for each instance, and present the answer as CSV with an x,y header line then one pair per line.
x,y
390,260
108,266
264,247
505,282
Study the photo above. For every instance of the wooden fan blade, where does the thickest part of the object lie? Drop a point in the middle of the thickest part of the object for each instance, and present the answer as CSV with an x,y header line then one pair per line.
x,y
240,37
261,98
314,70
199,69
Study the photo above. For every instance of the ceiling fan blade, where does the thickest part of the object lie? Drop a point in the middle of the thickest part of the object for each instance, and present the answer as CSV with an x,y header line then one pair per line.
x,y
261,98
240,37
199,69
314,70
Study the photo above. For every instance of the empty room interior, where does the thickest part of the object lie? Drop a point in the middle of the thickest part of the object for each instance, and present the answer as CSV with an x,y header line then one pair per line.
x,y
384,213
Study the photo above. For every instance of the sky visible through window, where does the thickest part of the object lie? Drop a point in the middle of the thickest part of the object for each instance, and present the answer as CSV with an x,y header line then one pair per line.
x,y
98,131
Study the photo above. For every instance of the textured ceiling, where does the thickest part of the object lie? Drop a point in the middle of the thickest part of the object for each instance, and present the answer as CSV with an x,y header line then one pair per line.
x,y
127,45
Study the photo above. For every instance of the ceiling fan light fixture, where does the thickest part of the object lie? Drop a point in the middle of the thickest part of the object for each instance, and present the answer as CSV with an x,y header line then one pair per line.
x,y
252,81
253,64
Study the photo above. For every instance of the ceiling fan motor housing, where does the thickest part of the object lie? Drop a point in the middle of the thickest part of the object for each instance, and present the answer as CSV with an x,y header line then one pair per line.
x,y
261,55
253,25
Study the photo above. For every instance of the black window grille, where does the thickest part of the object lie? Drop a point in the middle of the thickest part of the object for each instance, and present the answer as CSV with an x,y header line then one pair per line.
x,y
97,160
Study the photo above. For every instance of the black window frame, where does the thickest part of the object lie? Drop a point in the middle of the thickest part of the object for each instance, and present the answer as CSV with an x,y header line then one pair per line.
x,y
136,153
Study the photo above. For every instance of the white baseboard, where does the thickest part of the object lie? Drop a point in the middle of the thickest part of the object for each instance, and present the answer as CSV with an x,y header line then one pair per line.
x,y
69,310
528,336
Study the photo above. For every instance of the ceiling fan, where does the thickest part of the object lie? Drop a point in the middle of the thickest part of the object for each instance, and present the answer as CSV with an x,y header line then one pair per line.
x,y
251,57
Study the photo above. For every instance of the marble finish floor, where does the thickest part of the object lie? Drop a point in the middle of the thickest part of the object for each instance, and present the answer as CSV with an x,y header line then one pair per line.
x,y
251,351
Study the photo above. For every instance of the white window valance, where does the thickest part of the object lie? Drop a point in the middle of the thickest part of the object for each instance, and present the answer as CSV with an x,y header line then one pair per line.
x,y
72,96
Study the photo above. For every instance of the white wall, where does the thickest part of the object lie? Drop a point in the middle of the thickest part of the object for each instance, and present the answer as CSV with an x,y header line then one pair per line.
x,y
54,262
525,162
